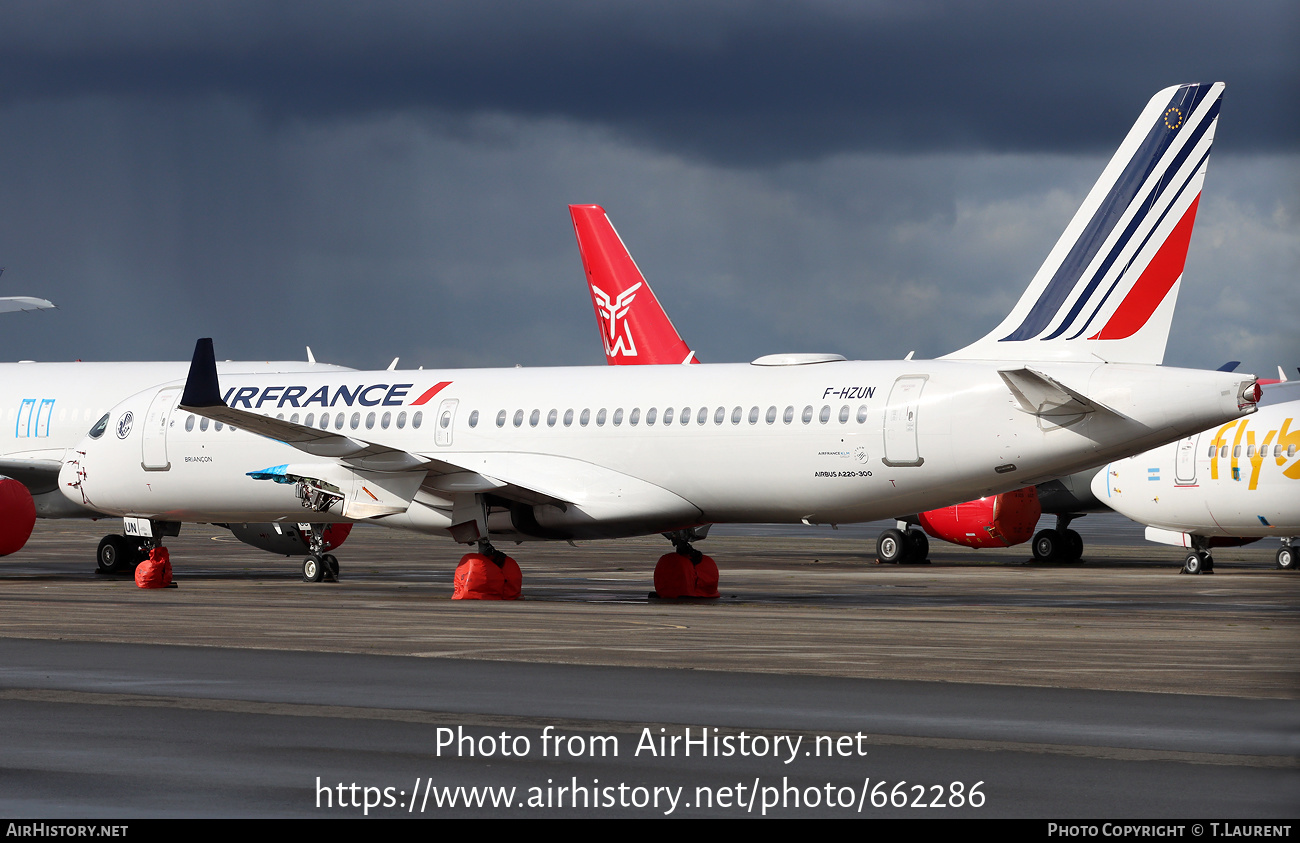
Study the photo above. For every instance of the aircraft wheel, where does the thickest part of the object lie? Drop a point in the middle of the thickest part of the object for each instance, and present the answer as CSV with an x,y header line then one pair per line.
x,y
918,547
1046,545
891,547
1194,563
1286,558
313,569
1073,546
115,553
332,563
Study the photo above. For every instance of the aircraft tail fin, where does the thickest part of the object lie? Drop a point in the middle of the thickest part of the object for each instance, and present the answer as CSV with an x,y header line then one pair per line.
x,y
633,325
1107,289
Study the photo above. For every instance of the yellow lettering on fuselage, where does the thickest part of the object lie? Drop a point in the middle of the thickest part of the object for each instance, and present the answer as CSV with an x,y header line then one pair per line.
x,y
1285,438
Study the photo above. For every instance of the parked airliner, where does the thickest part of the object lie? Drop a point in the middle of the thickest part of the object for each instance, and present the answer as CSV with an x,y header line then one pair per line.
x,y
1069,380
1238,480
48,408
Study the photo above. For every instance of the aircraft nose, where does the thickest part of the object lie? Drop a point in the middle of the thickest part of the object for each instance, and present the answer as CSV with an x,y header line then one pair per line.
x,y
1101,485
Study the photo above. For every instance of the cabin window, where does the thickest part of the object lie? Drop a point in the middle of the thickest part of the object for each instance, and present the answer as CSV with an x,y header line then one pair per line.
x,y
1236,452
1212,450
534,417
1290,451
568,418
551,418
825,415
788,415
844,414
356,421
702,416
370,421
203,424
634,416
473,419
862,414
753,415
417,419
618,417
650,416
586,417
771,415
1250,450
736,415
720,415
519,418
218,426
310,421
189,423
600,417
294,419
501,419
807,414
401,419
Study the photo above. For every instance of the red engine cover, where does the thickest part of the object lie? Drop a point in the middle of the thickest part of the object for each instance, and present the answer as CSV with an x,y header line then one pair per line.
x,y
17,516
999,521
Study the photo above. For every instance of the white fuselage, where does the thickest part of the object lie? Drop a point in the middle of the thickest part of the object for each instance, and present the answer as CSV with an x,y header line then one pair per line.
x,y
1237,479
46,408
830,442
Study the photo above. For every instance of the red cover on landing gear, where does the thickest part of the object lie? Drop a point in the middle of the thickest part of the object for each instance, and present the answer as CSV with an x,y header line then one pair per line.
x,y
480,577
677,576
156,571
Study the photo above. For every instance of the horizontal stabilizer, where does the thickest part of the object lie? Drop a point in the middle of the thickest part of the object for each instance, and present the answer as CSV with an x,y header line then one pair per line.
x,y
1039,395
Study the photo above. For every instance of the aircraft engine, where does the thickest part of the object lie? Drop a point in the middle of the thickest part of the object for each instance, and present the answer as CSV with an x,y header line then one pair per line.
x,y
997,521
287,539
17,516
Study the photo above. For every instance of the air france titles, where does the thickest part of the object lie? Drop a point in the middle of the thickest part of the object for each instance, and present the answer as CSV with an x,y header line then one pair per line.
x,y
372,395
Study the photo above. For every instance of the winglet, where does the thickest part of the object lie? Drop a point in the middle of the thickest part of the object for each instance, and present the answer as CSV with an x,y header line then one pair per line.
x,y
201,387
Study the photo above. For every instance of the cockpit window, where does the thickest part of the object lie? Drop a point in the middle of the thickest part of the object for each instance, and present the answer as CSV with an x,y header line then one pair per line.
x,y
99,428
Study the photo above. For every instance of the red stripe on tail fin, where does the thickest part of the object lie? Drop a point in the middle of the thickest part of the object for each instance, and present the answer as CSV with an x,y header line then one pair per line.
x,y
1156,281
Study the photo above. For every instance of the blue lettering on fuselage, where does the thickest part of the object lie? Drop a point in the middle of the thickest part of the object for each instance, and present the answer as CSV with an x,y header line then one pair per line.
x,y
249,397
291,396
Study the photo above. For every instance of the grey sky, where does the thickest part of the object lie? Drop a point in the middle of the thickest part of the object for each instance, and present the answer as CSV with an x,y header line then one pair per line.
x,y
391,179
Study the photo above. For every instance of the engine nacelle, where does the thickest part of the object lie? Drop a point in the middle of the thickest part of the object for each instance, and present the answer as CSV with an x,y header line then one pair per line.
x,y
17,516
998,521
287,539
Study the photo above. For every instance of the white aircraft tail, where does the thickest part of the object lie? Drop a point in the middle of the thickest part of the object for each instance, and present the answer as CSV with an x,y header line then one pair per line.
x,y
1107,289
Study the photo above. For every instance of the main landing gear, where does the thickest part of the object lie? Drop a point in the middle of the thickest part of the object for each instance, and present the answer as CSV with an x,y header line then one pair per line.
x,y
685,572
1059,545
902,546
1286,555
1198,560
488,574
318,566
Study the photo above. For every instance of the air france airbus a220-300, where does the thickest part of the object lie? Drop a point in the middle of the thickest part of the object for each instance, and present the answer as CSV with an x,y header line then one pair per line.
x,y
1068,380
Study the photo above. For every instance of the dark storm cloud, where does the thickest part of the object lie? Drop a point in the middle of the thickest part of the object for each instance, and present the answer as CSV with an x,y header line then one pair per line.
x,y
730,83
